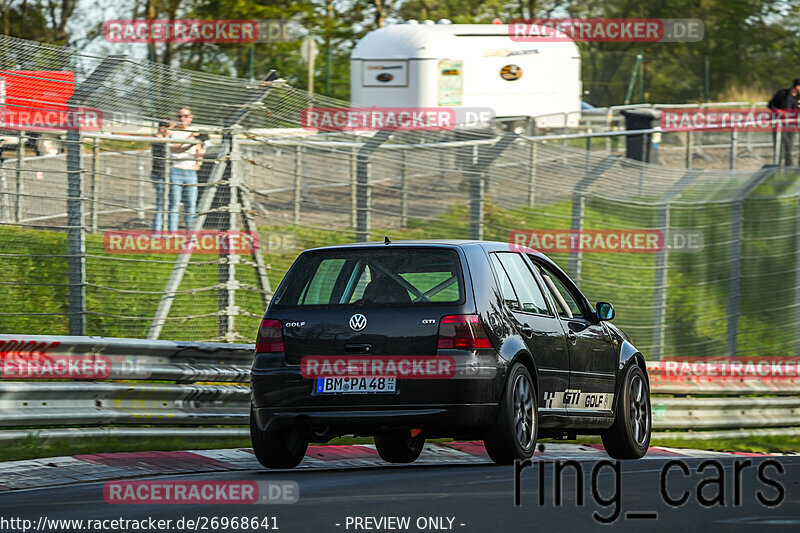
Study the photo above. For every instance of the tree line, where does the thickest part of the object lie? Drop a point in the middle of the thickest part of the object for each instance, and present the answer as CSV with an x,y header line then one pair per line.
x,y
750,46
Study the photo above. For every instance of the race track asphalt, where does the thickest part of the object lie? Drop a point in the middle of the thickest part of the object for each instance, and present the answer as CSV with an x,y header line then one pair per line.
x,y
470,498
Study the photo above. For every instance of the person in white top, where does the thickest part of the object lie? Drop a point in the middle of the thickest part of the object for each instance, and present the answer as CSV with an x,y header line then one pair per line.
x,y
185,162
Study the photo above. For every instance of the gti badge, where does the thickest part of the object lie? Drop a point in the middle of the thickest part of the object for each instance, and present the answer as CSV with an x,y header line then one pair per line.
x,y
358,322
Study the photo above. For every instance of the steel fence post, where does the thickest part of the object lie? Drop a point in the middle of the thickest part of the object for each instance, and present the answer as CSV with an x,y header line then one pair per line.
x,y
478,174
140,191
76,237
364,219
735,256
228,259
403,191
576,226
733,149
298,183
353,188
18,214
734,273
363,187
93,184
532,175
476,189
578,209
660,287
6,208
662,261
167,192
689,148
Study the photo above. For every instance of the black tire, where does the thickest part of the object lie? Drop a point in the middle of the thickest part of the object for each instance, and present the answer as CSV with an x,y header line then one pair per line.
x,y
277,449
629,437
399,448
513,435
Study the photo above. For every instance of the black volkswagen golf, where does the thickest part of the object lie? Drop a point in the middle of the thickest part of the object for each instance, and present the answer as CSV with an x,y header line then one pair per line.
x,y
410,340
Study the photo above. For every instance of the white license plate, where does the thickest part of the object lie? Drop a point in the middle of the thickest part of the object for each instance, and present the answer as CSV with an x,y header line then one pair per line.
x,y
355,385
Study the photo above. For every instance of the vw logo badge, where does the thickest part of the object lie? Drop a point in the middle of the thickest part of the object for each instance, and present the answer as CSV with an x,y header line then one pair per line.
x,y
358,322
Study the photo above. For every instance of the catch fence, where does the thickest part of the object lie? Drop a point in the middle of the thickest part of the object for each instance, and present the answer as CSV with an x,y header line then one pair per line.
x,y
725,279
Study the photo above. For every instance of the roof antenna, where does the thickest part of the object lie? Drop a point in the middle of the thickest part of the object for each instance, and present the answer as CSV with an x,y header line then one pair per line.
x,y
386,240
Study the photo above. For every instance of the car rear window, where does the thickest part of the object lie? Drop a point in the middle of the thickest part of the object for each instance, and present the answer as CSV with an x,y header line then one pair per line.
x,y
364,277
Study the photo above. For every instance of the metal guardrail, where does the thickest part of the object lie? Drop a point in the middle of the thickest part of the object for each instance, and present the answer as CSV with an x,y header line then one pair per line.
x,y
102,403
734,413
685,382
97,404
137,359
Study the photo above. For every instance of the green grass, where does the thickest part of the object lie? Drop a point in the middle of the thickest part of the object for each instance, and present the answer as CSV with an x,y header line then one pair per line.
x,y
33,448
776,444
124,291
761,444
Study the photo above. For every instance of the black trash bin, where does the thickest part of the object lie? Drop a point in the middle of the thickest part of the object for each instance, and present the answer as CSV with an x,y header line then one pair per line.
x,y
638,147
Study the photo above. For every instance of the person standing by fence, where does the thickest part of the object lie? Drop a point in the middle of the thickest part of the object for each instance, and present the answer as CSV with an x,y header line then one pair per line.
x,y
158,172
186,160
785,104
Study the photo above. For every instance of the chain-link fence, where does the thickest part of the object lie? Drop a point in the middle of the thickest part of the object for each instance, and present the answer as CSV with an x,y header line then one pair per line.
x,y
724,277
710,148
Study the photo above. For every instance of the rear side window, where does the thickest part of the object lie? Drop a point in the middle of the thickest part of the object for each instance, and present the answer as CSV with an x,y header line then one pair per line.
x,y
403,276
509,296
527,289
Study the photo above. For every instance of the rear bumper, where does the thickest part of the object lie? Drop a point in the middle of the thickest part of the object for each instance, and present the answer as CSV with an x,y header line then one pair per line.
x,y
281,397
335,421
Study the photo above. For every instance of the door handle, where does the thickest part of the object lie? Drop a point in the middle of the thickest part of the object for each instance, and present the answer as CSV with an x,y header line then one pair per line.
x,y
527,330
572,337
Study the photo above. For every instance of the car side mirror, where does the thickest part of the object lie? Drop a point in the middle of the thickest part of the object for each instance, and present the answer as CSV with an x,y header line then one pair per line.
x,y
605,311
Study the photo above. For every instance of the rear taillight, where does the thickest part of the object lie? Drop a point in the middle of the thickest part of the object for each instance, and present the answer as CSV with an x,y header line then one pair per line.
x,y
462,332
270,336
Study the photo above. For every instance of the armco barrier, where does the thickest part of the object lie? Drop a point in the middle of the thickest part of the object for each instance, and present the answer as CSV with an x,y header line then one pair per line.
x,y
137,359
125,393
99,403
707,379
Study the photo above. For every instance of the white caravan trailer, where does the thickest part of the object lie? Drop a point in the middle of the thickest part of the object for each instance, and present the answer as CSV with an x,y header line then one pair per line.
x,y
469,66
